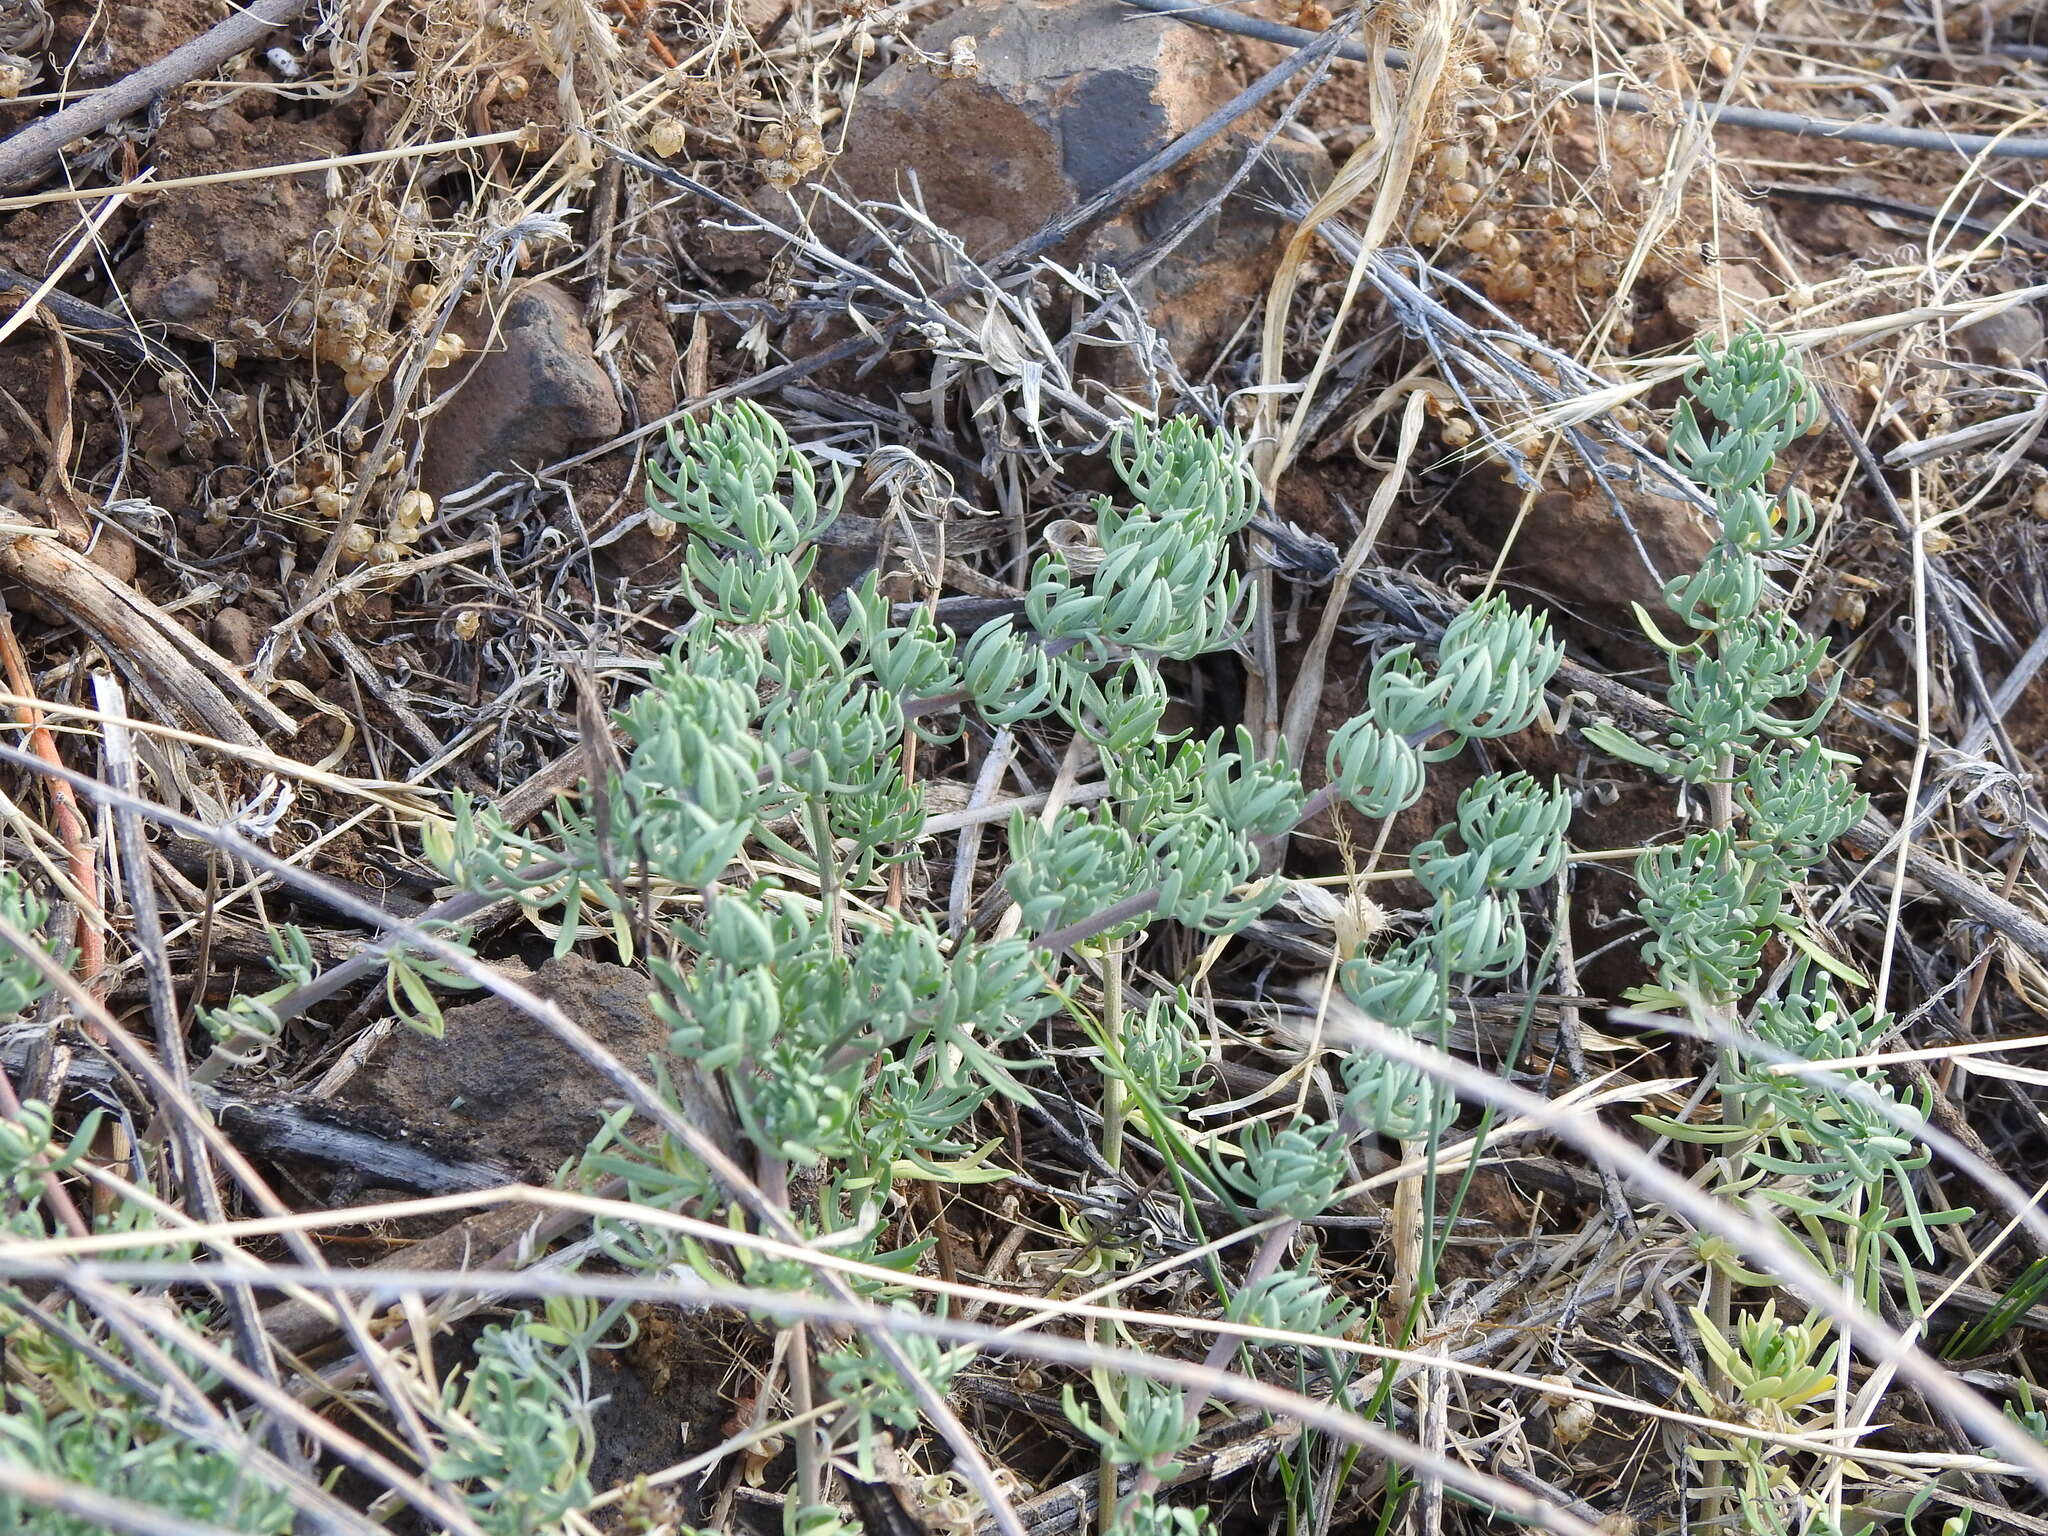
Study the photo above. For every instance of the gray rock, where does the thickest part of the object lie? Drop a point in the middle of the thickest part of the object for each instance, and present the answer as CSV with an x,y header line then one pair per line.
x,y
498,1085
533,395
1071,95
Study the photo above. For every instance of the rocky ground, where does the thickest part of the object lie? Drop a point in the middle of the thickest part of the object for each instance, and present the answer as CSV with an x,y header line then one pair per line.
x,y
332,372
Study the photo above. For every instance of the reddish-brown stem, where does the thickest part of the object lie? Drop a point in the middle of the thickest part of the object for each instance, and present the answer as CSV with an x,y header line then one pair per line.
x,y
71,823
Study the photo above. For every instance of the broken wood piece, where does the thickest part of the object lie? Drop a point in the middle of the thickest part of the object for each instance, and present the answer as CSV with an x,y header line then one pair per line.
x,y
26,155
166,665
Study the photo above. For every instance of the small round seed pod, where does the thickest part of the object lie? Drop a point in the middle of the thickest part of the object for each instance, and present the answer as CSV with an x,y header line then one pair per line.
x,y
1513,284
1461,194
513,87
1453,162
357,543
467,624
1506,249
414,510
1428,228
1479,235
665,138
1457,432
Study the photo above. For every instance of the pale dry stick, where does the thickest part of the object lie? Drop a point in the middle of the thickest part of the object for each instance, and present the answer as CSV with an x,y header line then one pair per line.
x,y
147,925
163,661
580,1042
36,148
934,304
1046,1309
323,1510
1764,1247
1056,800
348,1450
208,1424
1388,159
1870,1395
1592,93
61,267
688,1290
261,172
1649,372
1298,717
986,781
398,795
168,1098
827,36
1003,810
99,1509
1920,1053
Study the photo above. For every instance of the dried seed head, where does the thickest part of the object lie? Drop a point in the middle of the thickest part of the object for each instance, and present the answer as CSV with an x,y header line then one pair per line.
x,y
1479,235
1461,194
963,61
665,138
467,624
1428,228
1525,43
357,543
1453,162
1457,432
1360,921
1513,284
414,510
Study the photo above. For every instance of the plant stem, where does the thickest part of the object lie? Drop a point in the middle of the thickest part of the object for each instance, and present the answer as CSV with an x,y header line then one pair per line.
x,y
810,1462
1115,1109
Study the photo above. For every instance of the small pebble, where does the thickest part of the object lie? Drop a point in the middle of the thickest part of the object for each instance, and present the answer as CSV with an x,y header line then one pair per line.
x,y
199,136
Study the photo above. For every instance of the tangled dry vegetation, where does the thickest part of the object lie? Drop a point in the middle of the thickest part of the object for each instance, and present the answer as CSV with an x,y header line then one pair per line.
x,y
762,781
